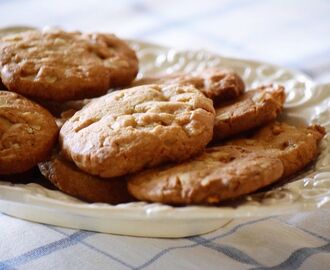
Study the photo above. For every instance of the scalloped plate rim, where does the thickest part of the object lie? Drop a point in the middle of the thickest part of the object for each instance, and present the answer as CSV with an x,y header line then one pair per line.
x,y
144,211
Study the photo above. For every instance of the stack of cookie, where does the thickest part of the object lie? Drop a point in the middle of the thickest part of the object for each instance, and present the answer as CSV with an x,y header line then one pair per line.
x,y
180,139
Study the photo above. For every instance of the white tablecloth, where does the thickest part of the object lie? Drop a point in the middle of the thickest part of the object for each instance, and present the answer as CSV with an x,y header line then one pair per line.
x,y
292,33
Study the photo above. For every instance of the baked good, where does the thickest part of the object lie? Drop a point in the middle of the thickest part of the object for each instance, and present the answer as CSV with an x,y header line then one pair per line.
x,y
220,173
294,146
252,109
229,171
58,65
128,130
71,180
27,133
218,84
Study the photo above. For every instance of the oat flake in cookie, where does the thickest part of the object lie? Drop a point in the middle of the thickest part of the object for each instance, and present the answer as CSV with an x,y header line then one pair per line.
x,y
126,131
58,65
27,133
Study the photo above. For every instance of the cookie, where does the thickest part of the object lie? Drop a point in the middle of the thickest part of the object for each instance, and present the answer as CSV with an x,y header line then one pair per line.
x,y
232,170
220,173
217,84
294,146
252,109
58,65
27,133
69,179
128,130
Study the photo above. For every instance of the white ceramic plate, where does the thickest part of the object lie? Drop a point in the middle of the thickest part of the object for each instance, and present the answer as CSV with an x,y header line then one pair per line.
x,y
306,102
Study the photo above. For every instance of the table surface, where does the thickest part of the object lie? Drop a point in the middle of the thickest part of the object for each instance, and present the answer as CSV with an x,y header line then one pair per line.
x,y
292,33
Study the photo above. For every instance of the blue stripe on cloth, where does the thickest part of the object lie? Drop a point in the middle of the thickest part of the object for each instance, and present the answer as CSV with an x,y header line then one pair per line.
x,y
233,230
46,249
304,230
297,258
231,6
95,249
5,267
165,251
232,252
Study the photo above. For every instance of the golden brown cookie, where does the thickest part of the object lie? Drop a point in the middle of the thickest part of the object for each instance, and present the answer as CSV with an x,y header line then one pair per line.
x,y
294,146
126,131
27,133
217,84
71,180
220,173
252,109
58,65
225,172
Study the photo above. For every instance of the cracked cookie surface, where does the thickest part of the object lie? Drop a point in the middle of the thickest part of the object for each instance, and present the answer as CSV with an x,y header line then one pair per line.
x,y
250,110
27,133
224,172
220,173
128,130
58,65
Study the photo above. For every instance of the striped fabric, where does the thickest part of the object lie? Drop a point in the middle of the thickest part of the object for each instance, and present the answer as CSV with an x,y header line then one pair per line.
x,y
294,33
